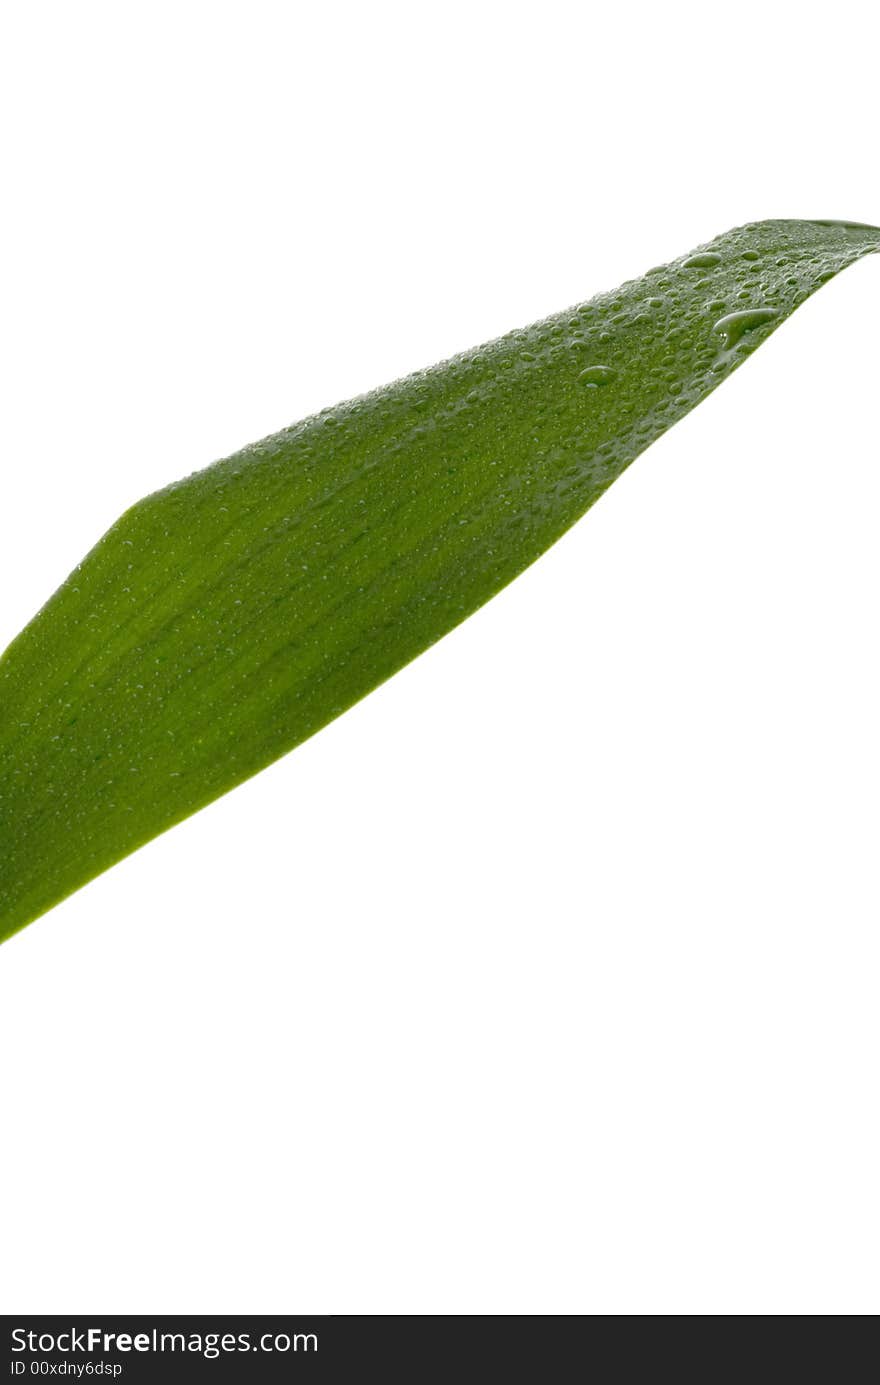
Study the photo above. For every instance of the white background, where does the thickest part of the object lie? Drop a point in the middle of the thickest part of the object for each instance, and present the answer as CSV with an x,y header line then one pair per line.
x,y
545,980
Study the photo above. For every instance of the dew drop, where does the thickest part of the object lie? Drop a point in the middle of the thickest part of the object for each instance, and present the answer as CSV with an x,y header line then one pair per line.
x,y
735,325
705,261
596,375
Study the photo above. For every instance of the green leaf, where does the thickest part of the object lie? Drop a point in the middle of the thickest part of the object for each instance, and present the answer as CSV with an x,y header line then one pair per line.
x,y
226,618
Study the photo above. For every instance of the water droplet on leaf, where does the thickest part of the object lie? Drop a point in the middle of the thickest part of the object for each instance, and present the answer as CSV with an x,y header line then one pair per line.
x,y
735,325
596,375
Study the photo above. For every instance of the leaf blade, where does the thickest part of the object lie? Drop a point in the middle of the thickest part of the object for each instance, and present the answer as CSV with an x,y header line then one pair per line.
x,y
226,618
